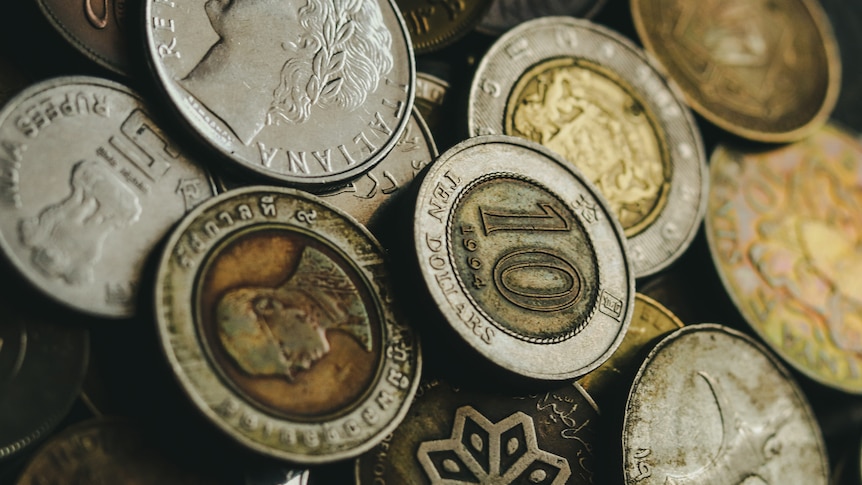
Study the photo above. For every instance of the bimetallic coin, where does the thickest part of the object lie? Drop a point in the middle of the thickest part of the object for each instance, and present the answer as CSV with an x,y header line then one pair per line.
x,y
765,70
505,14
650,321
366,197
434,24
523,257
307,92
98,29
783,227
590,95
88,185
711,405
275,312
463,436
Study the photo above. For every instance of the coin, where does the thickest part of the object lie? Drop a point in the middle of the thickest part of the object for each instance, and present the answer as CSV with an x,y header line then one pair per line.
x,y
430,98
764,70
783,227
650,321
434,24
88,185
523,257
461,436
696,416
275,312
319,104
590,95
505,14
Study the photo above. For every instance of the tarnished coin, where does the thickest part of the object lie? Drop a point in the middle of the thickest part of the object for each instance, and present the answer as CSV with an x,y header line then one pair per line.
x,y
366,197
88,185
308,92
784,228
523,257
711,405
434,24
98,29
650,321
275,312
505,14
766,70
590,95
461,436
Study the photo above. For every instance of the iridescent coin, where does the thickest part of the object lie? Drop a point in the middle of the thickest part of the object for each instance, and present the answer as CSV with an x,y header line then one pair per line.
x,y
275,312
462,436
711,405
762,69
784,228
505,14
590,95
307,92
434,24
523,257
89,184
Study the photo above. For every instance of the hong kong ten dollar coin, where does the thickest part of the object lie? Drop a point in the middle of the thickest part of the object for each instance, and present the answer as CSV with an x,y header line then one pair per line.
x,y
523,257
593,97
275,313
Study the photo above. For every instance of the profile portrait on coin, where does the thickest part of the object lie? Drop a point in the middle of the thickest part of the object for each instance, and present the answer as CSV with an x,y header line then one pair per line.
x,y
282,330
276,60
66,238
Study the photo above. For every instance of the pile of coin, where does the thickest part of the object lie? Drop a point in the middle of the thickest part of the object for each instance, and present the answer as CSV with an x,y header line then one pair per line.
x,y
282,242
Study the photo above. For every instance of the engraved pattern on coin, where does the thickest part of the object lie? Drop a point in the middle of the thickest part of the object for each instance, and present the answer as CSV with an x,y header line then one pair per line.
x,y
480,451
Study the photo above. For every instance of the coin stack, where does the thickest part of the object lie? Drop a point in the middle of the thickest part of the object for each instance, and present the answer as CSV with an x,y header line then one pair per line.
x,y
292,242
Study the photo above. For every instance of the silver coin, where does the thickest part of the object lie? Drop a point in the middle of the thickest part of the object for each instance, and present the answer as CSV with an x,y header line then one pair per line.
x,y
523,257
307,92
696,416
592,96
505,14
88,185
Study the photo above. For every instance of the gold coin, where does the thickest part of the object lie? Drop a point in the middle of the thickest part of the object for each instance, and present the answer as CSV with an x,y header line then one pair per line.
x,y
434,24
762,69
784,227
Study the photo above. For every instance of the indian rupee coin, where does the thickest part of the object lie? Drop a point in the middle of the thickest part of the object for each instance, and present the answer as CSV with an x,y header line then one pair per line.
x,y
592,96
523,257
305,92
89,184
506,14
435,24
275,311
711,405
764,70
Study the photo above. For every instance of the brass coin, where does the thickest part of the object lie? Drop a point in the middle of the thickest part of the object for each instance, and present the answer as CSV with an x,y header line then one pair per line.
x,y
783,227
274,311
765,70
434,24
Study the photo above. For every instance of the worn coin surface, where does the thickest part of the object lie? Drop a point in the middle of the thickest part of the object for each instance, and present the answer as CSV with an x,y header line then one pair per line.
x,y
308,92
592,96
765,70
523,257
505,14
88,185
783,227
696,416
462,436
275,312
434,24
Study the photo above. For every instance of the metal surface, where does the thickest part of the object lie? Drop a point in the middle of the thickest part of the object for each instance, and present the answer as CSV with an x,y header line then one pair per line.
x,y
434,24
523,257
89,184
318,104
505,14
275,313
695,416
590,95
430,98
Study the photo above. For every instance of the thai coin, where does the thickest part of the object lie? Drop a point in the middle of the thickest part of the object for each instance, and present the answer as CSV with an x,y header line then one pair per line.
x,y
783,227
434,24
430,98
462,436
97,29
318,104
846,20
590,95
523,257
650,321
764,70
696,416
88,185
275,312
505,14
366,197
106,451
